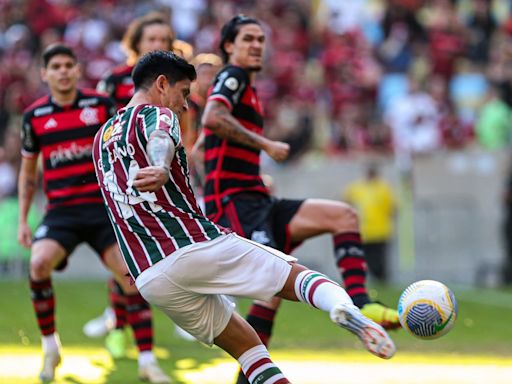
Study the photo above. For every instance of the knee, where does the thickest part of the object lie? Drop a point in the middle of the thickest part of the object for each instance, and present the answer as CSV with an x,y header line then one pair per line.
x,y
346,218
40,267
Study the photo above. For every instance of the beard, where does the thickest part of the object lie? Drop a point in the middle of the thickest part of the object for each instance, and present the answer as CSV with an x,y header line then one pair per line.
x,y
255,68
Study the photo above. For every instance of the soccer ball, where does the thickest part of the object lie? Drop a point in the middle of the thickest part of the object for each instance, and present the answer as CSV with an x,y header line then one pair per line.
x,y
427,309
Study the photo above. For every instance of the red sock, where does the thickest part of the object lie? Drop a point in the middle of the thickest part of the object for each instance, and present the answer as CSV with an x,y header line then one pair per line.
x,y
140,319
118,303
351,263
44,305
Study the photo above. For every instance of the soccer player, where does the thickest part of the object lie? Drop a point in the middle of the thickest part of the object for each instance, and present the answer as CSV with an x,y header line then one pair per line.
x,y
235,195
61,127
182,262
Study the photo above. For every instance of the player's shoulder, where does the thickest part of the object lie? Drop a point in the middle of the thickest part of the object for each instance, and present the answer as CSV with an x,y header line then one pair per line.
x,y
39,107
234,72
92,97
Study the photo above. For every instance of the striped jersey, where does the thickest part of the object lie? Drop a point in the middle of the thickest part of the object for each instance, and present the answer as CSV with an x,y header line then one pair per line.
x,y
64,136
118,85
148,226
231,167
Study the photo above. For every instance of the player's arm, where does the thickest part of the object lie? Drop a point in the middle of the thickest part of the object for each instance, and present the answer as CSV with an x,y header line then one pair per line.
x,y
219,120
26,188
160,149
27,179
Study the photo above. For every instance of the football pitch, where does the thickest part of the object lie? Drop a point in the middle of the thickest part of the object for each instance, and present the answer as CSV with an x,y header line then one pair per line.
x,y
307,347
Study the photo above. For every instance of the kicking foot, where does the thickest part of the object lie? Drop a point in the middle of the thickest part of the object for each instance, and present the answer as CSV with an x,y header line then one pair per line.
x,y
115,342
101,325
386,317
152,373
373,336
51,360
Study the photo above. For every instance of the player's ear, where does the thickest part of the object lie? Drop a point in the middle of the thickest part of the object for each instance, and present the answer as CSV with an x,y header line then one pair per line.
x,y
43,74
161,82
228,47
79,70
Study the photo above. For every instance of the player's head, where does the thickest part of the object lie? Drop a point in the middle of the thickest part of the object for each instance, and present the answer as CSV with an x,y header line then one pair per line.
x,y
151,32
166,78
242,42
207,65
60,69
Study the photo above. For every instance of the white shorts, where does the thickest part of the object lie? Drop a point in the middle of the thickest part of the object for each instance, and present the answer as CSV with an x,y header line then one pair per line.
x,y
191,285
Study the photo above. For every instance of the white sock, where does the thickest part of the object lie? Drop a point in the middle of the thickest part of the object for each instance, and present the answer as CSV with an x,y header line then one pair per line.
x,y
146,357
257,366
319,291
51,343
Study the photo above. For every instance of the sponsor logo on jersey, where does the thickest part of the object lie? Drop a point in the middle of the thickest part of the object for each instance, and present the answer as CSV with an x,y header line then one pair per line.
x,y
119,152
107,134
70,153
231,83
166,119
51,123
87,102
89,116
43,110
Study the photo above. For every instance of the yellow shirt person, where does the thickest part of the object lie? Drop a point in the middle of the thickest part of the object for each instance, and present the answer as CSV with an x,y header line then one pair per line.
x,y
373,198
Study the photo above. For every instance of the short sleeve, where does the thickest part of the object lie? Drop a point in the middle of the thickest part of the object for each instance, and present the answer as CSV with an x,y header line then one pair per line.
x,y
229,85
29,140
161,118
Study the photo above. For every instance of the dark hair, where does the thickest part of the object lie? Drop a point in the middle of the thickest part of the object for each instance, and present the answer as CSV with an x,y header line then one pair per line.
x,y
54,50
133,34
156,63
230,30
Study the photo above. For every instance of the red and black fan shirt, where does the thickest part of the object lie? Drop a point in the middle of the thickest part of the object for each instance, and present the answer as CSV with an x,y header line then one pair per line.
x,y
231,167
64,137
118,85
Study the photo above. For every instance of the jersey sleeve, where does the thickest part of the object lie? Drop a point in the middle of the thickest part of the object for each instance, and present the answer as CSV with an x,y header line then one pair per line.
x,y
229,85
161,118
29,140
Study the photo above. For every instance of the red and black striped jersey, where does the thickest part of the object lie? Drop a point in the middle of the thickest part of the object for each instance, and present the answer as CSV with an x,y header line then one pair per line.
x,y
64,136
118,85
231,167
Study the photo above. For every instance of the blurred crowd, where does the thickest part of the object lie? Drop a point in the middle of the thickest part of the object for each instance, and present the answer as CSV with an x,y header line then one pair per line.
x,y
355,75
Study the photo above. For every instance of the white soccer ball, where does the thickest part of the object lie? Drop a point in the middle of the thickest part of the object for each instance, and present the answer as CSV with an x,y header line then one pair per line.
x,y
427,309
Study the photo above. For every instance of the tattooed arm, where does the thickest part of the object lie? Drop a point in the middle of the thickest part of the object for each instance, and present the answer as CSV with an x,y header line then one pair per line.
x,y
26,189
160,149
219,120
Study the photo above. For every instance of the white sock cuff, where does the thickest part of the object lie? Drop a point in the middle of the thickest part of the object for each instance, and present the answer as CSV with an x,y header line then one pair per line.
x,y
299,283
50,343
146,357
252,355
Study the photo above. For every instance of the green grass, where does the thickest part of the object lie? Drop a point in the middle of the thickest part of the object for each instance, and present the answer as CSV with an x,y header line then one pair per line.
x,y
481,329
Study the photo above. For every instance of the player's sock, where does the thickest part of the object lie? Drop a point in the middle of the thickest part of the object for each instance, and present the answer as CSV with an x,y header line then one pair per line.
x,y
140,319
351,263
51,343
118,303
258,368
319,291
44,305
146,357
262,320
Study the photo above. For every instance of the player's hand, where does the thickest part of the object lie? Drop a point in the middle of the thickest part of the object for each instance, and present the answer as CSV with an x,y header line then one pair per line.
x,y
24,235
150,179
278,150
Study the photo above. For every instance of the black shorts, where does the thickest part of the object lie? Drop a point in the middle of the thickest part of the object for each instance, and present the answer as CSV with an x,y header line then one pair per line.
x,y
71,226
261,218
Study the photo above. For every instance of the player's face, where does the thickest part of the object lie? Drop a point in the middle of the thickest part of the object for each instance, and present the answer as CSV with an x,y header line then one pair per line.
x,y
247,49
175,96
155,37
61,74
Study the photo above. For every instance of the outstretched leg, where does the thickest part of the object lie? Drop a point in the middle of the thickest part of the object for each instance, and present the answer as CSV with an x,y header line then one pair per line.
x,y
316,217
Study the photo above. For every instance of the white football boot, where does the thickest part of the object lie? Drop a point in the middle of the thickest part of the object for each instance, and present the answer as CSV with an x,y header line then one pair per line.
x,y
152,373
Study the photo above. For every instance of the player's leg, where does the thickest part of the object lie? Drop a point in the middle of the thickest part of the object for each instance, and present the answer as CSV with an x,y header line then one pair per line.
x,y
46,254
138,316
241,341
318,291
318,216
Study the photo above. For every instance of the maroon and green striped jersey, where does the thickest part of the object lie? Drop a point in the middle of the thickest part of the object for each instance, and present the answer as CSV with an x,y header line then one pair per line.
x,y
64,136
231,167
148,226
